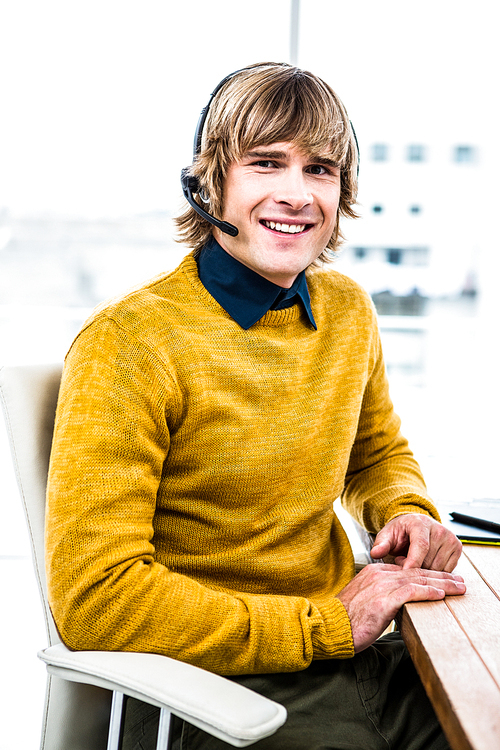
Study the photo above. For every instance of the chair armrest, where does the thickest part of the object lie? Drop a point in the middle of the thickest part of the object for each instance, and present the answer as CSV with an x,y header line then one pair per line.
x,y
219,706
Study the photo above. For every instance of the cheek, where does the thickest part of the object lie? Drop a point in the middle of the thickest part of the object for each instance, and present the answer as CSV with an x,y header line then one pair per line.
x,y
330,219
333,214
238,202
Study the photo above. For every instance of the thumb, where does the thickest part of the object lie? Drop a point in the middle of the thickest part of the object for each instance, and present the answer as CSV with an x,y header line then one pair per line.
x,y
382,545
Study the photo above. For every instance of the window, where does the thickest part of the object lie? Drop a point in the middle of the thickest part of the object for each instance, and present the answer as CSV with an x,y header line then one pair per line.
x,y
360,253
394,256
415,152
380,152
463,154
418,255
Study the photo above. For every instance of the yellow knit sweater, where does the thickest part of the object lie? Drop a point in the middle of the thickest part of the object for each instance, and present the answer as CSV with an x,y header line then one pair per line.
x,y
194,469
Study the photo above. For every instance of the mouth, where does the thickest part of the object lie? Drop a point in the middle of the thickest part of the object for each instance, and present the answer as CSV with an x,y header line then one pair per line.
x,y
283,228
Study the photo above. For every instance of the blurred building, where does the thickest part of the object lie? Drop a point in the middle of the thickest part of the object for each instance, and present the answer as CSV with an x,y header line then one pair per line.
x,y
416,237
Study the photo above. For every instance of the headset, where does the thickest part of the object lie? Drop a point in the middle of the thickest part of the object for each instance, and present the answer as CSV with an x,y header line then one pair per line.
x,y
191,184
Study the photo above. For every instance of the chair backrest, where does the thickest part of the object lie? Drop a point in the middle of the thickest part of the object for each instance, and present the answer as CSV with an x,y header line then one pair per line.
x,y
76,716
29,399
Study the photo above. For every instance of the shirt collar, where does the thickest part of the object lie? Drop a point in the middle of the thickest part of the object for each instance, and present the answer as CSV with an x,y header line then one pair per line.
x,y
243,293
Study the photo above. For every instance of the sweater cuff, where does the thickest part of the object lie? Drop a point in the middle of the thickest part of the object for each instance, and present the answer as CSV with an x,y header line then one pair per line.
x,y
331,633
411,504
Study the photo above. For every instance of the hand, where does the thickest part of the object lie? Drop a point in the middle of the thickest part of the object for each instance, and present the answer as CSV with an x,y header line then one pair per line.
x,y
373,597
418,541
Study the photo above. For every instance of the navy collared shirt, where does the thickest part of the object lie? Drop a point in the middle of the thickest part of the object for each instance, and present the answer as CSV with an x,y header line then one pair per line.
x,y
243,293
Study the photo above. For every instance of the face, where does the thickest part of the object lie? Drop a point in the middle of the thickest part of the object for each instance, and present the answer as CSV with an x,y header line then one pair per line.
x,y
284,203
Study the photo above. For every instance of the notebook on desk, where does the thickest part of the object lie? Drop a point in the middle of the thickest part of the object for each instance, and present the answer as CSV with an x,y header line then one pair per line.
x,y
467,533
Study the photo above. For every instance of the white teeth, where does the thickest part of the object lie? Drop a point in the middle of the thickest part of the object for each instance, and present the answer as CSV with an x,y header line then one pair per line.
x,y
287,228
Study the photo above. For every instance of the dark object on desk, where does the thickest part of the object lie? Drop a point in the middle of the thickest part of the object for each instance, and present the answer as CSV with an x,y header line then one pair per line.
x,y
478,523
475,525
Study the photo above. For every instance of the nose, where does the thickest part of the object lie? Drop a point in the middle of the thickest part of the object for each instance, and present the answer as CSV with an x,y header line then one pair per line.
x,y
293,189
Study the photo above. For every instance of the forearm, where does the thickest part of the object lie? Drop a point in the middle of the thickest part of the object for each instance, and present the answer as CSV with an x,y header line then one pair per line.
x,y
150,609
387,489
383,478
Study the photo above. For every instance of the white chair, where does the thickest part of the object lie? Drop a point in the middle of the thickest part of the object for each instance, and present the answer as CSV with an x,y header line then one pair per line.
x,y
85,689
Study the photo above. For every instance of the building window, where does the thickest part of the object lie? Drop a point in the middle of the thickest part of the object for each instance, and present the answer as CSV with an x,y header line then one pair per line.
x,y
415,152
463,154
377,209
394,256
415,209
380,152
360,253
416,256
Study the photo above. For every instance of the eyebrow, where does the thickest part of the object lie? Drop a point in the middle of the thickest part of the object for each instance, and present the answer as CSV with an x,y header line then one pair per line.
x,y
265,154
325,160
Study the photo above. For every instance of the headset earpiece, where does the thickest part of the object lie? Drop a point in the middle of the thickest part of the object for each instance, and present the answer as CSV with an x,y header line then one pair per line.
x,y
191,184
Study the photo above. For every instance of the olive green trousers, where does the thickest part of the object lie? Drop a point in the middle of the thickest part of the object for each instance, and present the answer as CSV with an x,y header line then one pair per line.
x,y
374,701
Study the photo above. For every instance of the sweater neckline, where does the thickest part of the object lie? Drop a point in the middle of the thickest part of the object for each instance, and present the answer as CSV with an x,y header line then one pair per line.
x,y
272,318
242,292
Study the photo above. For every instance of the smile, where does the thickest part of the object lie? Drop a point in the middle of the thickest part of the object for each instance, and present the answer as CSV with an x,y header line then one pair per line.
x,y
286,228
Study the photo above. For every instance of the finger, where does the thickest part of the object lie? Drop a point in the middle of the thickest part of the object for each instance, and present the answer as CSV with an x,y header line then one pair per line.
x,y
445,550
453,559
432,576
449,582
445,558
380,549
432,591
418,549
382,544
455,550
389,541
419,593
451,587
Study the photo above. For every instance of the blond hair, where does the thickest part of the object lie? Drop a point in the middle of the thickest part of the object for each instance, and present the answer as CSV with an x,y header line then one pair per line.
x,y
263,104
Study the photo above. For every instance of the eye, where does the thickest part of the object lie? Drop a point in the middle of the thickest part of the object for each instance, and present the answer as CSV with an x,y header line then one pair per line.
x,y
318,169
264,163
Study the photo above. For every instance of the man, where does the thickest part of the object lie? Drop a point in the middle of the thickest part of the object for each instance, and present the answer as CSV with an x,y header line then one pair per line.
x,y
208,420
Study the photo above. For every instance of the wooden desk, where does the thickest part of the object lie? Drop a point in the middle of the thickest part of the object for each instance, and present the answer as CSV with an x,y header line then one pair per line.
x,y
455,645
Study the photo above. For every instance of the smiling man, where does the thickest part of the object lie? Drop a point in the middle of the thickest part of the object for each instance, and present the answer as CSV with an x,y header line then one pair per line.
x,y
208,420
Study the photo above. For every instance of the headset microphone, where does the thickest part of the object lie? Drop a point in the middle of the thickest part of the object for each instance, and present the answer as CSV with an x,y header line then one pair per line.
x,y
191,184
